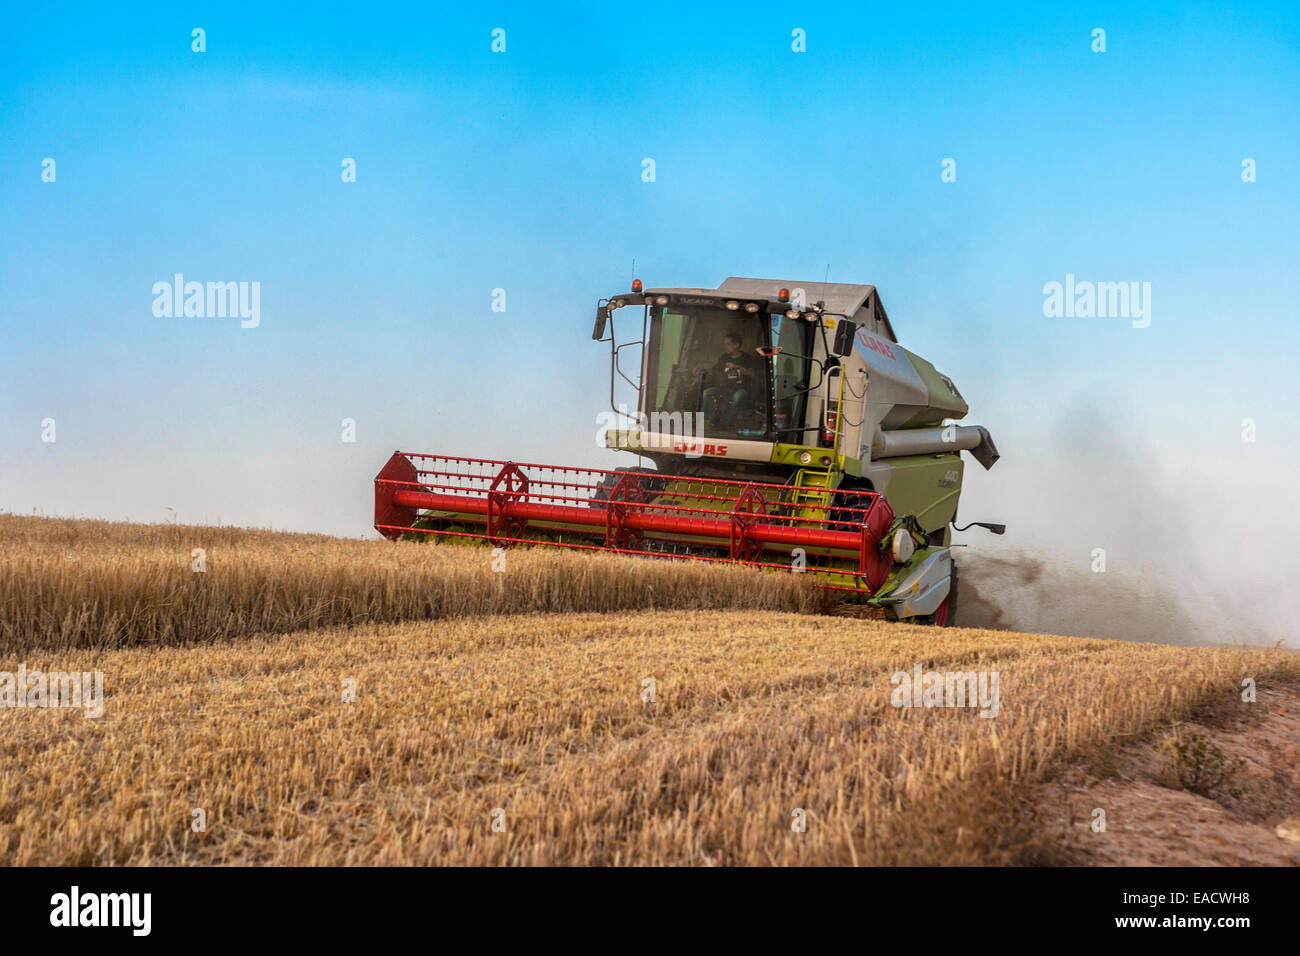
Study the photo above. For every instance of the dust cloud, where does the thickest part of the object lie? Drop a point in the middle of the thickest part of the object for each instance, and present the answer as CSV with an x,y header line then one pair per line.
x,y
1018,591
1087,483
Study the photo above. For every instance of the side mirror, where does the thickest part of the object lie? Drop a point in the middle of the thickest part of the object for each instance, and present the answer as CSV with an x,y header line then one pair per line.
x,y
845,331
602,316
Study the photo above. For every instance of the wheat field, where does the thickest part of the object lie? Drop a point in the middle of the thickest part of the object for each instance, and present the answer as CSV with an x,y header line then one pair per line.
x,y
530,738
67,584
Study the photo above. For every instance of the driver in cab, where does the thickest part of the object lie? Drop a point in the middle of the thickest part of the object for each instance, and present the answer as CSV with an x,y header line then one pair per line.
x,y
731,380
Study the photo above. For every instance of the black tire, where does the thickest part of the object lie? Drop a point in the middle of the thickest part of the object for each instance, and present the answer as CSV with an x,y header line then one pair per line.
x,y
841,519
607,483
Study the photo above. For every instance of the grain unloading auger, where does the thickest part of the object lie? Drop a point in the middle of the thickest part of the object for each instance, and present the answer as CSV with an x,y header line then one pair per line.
x,y
786,433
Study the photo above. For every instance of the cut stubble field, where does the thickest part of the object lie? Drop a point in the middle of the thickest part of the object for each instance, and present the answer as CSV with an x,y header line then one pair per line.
x,y
503,718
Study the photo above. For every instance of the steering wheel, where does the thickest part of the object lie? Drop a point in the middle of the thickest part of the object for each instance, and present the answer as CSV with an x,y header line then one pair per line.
x,y
681,377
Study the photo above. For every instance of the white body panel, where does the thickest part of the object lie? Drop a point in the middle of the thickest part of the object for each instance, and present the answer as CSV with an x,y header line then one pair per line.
x,y
692,447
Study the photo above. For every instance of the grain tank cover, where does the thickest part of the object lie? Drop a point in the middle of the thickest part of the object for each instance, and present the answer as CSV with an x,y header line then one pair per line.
x,y
904,390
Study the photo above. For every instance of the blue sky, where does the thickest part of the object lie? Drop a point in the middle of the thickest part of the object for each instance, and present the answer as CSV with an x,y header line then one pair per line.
x,y
522,170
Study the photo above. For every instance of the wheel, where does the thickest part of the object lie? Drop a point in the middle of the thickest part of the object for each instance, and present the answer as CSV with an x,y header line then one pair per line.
x,y
842,518
607,483
945,615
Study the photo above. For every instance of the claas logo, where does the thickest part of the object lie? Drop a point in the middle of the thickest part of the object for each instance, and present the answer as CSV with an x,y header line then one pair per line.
x,y
695,448
876,345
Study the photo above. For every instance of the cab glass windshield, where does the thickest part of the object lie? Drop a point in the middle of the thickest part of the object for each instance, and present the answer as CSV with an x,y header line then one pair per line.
x,y
704,365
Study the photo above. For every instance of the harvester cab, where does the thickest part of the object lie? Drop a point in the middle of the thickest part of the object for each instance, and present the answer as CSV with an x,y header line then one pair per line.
x,y
787,427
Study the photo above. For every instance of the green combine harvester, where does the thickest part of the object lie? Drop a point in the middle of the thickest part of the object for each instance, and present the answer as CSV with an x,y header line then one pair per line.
x,y
785,432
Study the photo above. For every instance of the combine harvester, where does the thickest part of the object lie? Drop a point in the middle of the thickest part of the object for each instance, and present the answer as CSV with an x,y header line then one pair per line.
x,y
784,434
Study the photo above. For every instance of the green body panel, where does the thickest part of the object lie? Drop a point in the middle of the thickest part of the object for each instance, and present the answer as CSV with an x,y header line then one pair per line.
x,y
822,458
945,401
925,486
